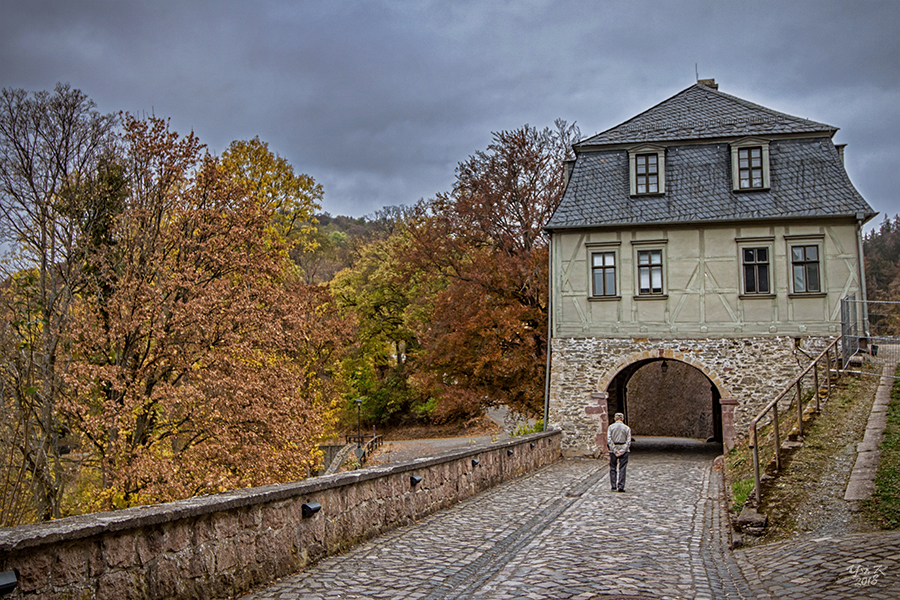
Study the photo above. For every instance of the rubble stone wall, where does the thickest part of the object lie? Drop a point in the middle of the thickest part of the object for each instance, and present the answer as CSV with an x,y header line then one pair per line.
x,y
220,545
750,371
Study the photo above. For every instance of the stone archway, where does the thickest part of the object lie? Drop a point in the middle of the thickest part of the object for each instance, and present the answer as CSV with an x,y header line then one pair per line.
x,y
667,398
667,393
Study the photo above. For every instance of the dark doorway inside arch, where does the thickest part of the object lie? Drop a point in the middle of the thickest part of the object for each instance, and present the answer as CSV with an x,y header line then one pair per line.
x,y
667,398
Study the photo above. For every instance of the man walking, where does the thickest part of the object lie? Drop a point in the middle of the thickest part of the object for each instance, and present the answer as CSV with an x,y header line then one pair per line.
x,y
618,438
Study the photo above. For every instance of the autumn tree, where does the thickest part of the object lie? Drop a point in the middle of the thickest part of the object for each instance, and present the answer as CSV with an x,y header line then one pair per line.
x,y
484,329
51,150
198,362
270,179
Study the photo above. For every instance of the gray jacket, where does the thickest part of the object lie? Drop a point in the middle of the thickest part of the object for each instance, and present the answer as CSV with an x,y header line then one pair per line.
x,y
618,437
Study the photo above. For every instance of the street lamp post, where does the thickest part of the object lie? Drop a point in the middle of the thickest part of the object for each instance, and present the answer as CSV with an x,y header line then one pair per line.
x,y
359,450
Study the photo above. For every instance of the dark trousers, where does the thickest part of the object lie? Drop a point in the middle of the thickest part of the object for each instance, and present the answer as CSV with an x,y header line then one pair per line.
x,y
617,466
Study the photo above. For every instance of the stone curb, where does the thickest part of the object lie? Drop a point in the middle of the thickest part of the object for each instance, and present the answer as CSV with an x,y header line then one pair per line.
x,y
862,478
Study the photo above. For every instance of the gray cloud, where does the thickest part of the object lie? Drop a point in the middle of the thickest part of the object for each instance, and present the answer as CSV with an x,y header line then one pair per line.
x,y
379,101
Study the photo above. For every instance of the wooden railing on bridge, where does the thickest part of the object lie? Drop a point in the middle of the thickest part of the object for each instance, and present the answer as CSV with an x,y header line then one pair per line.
x,y
782,424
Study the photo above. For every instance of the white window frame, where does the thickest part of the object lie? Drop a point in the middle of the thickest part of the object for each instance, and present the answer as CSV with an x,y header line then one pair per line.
x,y
743,144
640,246
756,264
756,243
603,255
594,248
660,152
795,241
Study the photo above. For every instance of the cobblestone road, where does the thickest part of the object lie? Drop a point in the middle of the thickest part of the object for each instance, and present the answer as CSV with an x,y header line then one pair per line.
x,y
561,533
557,533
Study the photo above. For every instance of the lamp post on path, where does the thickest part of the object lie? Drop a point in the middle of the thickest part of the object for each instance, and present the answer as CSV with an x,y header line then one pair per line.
x,y
359,450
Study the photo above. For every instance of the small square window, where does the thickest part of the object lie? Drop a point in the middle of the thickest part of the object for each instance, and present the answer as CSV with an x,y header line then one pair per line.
x,y
756,270
603,273
650,272
805,272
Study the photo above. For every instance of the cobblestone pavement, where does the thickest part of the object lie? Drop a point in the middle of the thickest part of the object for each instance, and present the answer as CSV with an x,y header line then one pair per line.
x,y
561,533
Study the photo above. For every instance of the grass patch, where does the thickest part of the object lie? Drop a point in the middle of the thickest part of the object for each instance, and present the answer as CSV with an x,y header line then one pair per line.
x,y
739,492
884,507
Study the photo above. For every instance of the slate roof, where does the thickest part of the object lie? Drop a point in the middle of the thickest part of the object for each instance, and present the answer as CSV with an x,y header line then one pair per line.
x,y
807,179
701,112
806,175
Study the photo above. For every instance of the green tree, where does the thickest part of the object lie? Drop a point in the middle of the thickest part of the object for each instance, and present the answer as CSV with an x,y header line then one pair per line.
x,y
378,297
881,248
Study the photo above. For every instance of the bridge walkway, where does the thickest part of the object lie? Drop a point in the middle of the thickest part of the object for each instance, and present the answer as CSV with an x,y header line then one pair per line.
x,y
561,533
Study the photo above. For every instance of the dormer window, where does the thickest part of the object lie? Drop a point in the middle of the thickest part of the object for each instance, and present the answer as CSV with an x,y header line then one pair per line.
x,y
750,165
750,168
646,174
647,165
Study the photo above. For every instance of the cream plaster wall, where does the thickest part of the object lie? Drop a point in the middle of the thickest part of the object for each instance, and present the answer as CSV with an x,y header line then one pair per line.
x,y
702,280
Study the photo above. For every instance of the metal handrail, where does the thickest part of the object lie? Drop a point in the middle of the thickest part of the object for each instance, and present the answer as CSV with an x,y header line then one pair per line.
x,y
773,407
368,444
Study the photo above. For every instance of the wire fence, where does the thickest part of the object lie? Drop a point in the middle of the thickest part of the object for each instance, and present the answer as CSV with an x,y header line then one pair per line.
x,y
872,327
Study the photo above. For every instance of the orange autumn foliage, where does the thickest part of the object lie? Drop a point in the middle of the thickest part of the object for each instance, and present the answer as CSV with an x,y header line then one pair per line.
x,y
482,325
199,361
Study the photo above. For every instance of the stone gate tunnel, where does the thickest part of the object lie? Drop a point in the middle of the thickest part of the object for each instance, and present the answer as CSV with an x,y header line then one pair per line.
x,y
667,398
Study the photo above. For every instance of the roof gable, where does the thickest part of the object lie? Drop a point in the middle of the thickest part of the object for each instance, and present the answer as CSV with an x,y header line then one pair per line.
x,y
701,112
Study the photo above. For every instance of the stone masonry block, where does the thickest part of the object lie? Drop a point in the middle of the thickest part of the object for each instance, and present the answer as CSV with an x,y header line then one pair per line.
x,y
163,578
34,571
71,565
177,537
226,525
121,584
150,545
119,551
226,556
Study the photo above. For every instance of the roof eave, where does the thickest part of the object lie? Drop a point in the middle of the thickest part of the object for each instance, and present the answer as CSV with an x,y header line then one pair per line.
x,y
866,217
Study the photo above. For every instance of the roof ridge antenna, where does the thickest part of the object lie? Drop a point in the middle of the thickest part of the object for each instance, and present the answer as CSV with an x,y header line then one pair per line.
x,y
696,74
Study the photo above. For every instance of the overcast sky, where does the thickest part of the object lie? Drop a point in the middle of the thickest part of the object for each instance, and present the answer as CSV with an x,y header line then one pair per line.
x,y
379,101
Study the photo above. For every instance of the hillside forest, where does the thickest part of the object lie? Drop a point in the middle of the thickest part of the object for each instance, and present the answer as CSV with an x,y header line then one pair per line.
x,y
176,323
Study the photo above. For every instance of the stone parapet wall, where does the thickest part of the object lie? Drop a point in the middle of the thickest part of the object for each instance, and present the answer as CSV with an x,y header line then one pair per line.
x,y
750,371
220,545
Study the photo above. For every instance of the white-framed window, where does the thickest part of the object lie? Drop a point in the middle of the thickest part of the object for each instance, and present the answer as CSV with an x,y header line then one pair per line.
x,y
806,272
647,170
603,274
650,272
755,267
750,165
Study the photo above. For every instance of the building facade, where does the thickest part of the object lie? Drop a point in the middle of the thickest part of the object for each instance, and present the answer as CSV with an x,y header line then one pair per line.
x,y
698,256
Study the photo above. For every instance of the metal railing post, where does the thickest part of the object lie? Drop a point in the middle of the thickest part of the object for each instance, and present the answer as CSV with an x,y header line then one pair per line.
x,y
777,437
800,407
816,384
756,479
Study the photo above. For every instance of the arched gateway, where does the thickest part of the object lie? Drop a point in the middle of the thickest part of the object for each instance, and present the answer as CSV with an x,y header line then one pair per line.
x,y
667,394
